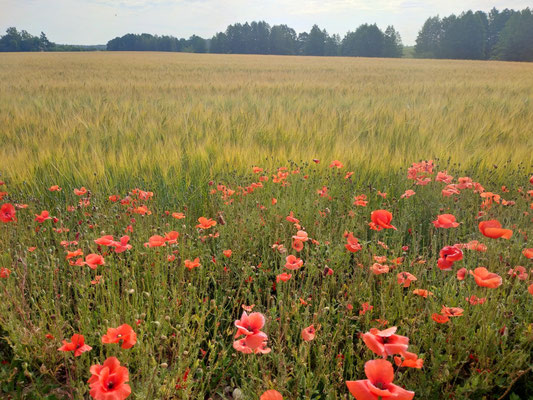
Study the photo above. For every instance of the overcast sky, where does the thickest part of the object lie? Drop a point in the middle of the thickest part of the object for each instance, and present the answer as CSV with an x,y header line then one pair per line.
x,y
97,21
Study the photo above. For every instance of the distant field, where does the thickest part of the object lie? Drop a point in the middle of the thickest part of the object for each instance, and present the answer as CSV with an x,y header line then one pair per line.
x,y
82,117
164,194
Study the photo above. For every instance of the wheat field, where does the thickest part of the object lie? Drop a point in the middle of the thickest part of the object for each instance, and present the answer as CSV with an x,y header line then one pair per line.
x,y
81,117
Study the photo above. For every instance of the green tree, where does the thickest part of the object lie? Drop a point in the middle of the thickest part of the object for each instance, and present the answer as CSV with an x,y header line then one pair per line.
x,y
516,38
366,41
283,40
392,43
316,42
428,39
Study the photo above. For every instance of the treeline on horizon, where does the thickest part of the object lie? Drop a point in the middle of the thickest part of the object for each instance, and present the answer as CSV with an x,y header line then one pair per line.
x,y
497,35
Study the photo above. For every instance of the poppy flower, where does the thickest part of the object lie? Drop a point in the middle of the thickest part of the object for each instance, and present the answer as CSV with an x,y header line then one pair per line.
x,y
422,292
80,192
192,264
5,272
227,253
530,289
487,279
474,300
107,240
448,255
381,220
493,229
461,274
405,279
178,215
108,381
518,272
7,213
378,269
293,262
172,237
408,193
122,245
301,236
445,221
353,245
410,360
40,218
284,277
271,395
156,241
205,223
308,333
439,318
297,245
94,260
379,384
77,345
452,311
385,342
254,340
336,164
123,332
54,188
528,253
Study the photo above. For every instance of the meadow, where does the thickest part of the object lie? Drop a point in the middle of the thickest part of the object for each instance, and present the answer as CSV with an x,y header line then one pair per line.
x,y
297,165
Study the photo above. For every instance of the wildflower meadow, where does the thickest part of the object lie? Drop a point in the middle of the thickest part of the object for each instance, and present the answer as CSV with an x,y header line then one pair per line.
x,y
240,227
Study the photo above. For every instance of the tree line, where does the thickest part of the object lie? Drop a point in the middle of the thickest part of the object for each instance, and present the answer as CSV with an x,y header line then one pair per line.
x,y
14,40
497,35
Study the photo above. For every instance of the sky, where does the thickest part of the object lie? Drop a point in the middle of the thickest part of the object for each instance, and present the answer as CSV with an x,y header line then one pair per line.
x,y
98,21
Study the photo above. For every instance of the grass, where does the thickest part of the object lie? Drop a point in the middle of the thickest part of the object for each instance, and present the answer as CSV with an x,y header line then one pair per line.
x,y
182,124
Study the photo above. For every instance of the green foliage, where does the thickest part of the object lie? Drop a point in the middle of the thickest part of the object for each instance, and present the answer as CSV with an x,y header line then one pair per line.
x,y
506,35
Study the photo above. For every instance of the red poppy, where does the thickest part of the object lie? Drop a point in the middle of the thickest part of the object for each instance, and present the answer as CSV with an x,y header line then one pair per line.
x,y
284,277
493,229
308,333
379,269
192,264
445,221
271,395
40,218
205,223
227,253
178,215
80,192
530,289
293,262
405,279
381,219
379,384
410,360
254,339
353,245
487,279
385,342
5,272
108,381
439,318
336,164
94,260
528,253
77,345
452,311
448,255
7,213
422,292
297,245
461,274
123,332
156,241
54,188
